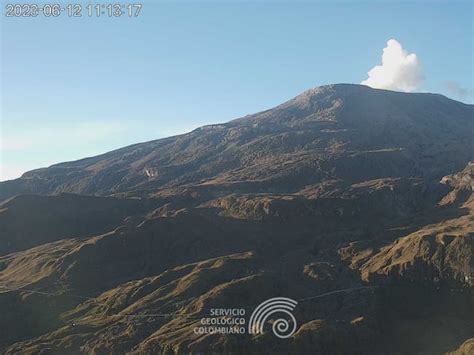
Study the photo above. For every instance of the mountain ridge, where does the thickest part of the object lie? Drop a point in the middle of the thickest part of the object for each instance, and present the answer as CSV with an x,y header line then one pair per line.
x,y
318,121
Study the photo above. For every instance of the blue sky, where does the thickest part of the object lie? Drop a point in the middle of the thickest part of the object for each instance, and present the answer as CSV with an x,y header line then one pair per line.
x,y
76,87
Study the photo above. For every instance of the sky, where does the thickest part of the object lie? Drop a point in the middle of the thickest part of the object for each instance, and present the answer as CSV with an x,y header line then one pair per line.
x,y
78,87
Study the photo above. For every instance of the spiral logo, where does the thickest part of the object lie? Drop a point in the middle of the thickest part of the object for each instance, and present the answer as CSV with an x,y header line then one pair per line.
x,y
282,327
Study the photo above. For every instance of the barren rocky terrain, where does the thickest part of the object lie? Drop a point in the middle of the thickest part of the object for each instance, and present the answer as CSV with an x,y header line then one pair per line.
x,y
354,201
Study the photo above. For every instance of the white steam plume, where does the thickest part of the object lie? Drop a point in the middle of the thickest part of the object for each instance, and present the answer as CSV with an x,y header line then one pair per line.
x,y
400,71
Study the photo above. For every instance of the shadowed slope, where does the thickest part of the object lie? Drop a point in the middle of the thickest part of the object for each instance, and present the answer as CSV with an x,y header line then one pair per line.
x,y
30,220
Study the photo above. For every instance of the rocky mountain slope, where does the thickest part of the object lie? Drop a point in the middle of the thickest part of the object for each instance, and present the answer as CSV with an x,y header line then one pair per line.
x,y
356,202
348,132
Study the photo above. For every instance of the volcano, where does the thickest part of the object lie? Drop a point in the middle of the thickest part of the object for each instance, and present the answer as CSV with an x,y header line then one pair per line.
x,y
355,202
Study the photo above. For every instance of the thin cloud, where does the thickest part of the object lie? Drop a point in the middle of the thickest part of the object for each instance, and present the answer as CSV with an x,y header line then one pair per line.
x,y
15,143
25,150
400,70
56,137
458,91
